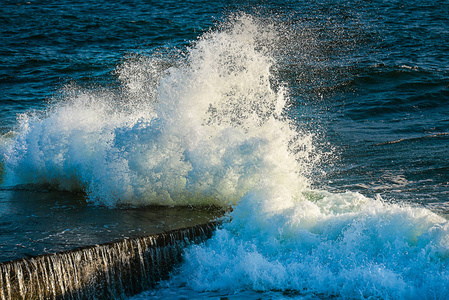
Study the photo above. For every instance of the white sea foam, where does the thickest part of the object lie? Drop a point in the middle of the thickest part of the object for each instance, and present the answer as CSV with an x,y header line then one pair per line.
x,y
329,245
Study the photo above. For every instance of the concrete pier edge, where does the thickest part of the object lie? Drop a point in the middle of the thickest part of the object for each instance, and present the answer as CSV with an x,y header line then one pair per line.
x,y
113,270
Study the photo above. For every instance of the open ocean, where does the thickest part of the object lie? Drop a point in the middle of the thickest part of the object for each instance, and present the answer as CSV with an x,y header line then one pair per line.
x,y
321,127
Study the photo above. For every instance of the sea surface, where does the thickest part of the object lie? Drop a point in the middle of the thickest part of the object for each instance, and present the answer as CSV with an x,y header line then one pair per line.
x,y
321,128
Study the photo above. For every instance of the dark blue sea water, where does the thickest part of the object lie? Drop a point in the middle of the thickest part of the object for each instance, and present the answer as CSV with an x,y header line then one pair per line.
x,y
323,124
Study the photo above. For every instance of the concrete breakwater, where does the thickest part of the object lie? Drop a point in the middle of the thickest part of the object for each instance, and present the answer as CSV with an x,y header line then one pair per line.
x,y
113,270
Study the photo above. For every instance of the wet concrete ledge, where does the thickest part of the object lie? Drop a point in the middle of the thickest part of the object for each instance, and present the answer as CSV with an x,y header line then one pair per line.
x,y
114,270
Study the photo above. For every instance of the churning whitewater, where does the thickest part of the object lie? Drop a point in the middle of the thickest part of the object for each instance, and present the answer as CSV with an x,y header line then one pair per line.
x,y
210,129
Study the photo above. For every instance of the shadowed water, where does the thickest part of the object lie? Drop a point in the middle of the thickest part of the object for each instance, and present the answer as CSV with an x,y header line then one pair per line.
x,y
42,222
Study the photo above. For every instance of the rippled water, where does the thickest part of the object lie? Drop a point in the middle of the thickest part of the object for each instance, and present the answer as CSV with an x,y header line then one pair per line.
x,y
323,125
